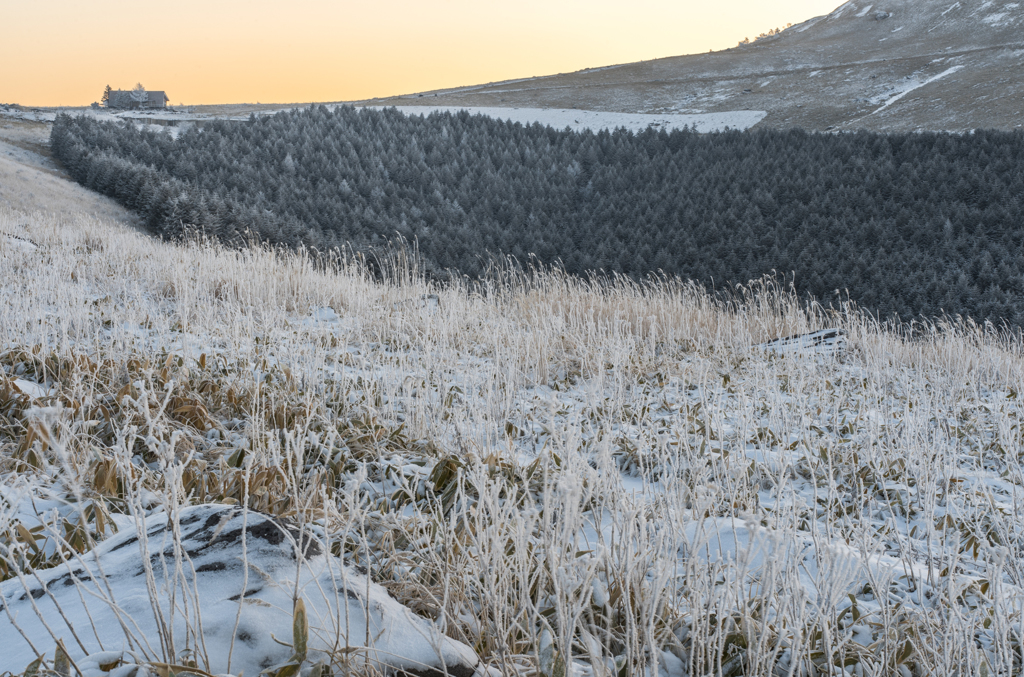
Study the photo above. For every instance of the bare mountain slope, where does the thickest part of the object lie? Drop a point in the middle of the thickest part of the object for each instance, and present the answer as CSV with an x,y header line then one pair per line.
x,y
889,65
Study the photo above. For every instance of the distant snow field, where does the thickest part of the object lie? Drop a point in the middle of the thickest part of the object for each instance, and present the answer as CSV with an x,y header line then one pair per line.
x,y
578,120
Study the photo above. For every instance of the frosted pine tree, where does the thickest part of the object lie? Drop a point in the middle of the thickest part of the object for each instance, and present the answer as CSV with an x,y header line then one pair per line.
x,y
139,95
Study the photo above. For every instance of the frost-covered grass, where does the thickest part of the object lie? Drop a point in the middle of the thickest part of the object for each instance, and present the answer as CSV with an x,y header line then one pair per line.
x,y
552,469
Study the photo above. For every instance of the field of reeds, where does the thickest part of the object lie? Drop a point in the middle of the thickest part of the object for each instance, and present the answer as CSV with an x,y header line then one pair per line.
x,y
587,477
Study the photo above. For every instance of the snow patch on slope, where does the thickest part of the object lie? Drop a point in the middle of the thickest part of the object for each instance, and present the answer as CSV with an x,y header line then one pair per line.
x,y
1002,18
912,85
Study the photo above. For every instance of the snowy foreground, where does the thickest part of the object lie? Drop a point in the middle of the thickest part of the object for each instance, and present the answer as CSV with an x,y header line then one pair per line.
x,y
551,476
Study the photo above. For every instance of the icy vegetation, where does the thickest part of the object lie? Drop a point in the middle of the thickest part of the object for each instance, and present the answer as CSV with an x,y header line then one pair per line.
x,y
561,477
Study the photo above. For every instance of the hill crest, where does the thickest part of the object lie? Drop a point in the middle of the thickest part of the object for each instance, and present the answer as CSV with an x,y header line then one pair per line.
x,y
897,65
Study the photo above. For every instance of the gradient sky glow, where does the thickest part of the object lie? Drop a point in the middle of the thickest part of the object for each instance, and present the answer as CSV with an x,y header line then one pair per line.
x,y
63,52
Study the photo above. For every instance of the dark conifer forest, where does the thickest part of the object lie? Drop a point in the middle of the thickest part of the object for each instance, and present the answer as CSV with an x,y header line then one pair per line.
x,y
916,224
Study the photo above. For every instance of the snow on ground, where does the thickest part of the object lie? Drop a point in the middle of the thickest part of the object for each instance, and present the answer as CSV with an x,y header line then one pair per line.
x,y
579,120
121,596
34,390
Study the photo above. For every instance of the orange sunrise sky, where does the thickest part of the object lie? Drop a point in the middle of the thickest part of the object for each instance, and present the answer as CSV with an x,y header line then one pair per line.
x,y
63,52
